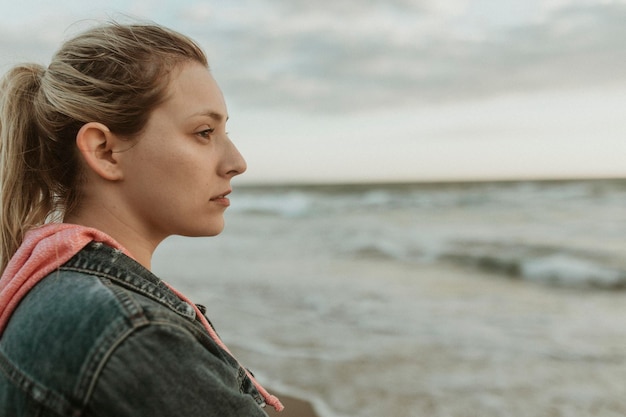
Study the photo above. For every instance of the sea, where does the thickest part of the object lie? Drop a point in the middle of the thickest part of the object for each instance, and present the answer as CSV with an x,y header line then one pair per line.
x,y
422,299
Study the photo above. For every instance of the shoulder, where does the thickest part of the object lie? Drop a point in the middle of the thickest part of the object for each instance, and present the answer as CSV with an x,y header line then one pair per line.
x,y
62,319
70,303
68,322
58,333
81,308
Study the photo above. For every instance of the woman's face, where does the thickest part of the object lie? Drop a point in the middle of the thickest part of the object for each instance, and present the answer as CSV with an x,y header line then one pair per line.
x,y
178,171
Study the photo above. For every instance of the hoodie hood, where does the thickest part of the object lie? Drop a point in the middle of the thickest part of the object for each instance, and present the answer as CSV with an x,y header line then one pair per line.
x,y
43,250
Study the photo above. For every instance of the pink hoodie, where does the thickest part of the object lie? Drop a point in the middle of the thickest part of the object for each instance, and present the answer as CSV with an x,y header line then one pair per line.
x,y
48,247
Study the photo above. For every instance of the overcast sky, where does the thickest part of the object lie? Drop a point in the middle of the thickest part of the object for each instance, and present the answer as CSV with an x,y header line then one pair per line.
x,y
387,90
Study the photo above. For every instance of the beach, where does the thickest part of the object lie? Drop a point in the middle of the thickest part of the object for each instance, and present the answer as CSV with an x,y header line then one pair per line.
x,y
477,347
466,306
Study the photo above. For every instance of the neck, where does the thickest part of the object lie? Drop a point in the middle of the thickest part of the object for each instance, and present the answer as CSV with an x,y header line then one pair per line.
x,y
140,246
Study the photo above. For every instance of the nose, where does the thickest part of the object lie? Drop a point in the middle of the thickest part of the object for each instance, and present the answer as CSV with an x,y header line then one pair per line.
x,y
234,163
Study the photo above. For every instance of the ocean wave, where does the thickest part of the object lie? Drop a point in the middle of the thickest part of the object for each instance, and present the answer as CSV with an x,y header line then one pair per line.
x,y
554,266
558,266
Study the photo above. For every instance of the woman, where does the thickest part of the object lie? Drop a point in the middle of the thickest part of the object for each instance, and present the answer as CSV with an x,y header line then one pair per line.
x,y
118,144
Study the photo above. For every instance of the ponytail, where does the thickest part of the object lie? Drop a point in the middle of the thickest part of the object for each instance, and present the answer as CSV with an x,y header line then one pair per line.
x,y
24,200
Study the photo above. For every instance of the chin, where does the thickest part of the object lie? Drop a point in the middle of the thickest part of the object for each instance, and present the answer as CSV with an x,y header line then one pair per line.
x,y
209,230
211,226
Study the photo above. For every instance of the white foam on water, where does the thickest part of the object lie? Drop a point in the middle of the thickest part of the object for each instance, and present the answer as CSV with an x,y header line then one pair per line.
x,y
571,271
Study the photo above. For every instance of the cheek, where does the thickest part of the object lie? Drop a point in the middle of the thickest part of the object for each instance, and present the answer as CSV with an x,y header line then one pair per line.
x,y
176,166
188,182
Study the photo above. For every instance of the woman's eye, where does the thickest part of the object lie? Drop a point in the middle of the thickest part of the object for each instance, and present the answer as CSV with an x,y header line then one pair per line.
x,y
205,133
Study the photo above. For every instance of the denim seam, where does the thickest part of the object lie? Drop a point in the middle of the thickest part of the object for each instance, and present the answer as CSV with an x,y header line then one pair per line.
x,y
101,363
38,393
109,339
159,297
129,304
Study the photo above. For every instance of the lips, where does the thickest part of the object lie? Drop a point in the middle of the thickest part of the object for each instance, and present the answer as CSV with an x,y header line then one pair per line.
x,y
221,199
221,196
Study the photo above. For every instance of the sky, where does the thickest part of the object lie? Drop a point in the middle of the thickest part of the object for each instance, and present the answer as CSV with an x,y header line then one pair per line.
x,y
390,90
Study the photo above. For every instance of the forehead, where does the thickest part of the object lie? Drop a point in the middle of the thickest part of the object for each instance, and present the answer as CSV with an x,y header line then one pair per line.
x,y
192,91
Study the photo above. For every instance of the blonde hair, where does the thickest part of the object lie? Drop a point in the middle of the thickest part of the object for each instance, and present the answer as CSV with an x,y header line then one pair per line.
x,y
113,74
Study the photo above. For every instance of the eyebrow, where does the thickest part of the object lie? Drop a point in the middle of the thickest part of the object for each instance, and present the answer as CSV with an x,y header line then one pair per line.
x,y
218,117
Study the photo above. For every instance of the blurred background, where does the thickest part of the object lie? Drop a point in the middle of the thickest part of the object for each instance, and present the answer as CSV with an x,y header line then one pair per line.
x,y
432,222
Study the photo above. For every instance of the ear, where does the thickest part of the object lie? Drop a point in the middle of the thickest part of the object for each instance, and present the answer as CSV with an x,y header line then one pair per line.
x,y
98,147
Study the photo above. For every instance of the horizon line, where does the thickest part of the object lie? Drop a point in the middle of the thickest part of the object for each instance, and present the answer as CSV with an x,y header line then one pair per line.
x,y
442,181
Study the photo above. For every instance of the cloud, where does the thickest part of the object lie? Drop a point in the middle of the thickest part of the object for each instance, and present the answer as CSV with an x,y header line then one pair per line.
x,y
346,56
395,53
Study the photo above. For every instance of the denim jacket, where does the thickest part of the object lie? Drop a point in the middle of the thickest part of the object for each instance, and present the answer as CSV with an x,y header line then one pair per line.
x,y
102,336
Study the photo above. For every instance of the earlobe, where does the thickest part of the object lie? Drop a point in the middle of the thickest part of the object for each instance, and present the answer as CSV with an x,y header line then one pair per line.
x,y
97,146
